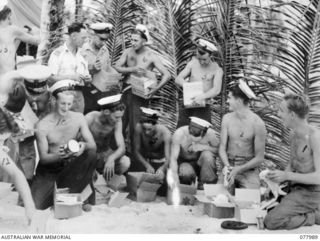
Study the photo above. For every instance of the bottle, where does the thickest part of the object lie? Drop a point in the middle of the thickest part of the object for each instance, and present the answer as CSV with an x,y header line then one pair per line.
x,y
72,146
260,223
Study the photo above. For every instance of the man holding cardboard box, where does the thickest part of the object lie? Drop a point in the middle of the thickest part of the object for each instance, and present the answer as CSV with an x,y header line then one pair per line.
x,y
242,143
300,207
63,160
139,61
204,83
193,153
152,145
106,128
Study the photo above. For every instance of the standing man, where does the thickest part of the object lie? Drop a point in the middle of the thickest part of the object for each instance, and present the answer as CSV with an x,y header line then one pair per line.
x,y
301,206
10,38
66,62
193,153
243,137
152,144
201,69
139,59
106,128
69,168
96,54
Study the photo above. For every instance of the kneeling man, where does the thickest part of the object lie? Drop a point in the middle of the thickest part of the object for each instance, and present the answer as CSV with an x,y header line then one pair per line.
x,y
106,128
301,206
193,153
152,144
71,168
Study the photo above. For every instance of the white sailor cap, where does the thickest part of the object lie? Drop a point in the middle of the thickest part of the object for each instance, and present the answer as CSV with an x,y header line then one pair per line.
x,y
200,122
145,32
101,27
110,101
148,113
3,3
206,45
246,89
62,85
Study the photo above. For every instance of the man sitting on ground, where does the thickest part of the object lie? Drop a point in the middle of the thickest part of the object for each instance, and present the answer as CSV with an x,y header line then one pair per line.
x,y
242,143
68,166
193,153
106,128
301,206
152,145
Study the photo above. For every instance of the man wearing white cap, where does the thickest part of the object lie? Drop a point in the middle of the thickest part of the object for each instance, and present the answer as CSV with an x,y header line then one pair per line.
x,y
152,143
202,69
141,60
242,143
66,62
10,38
96,53
106,128
66,148
193,153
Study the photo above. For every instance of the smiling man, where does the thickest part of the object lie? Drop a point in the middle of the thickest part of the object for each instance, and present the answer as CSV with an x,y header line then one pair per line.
x,y
301,206
193,153
72,169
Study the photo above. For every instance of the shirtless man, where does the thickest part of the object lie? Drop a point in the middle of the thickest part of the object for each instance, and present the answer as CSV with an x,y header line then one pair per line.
x,y
193,153
10,38
242,143
201,69
301,206
58,165
96,53
7,126
138,60
106,128
152,144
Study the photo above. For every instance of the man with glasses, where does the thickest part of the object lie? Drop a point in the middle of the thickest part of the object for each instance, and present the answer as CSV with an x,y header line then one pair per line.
x,y
242,140
193,153
202,69
104,77
106,128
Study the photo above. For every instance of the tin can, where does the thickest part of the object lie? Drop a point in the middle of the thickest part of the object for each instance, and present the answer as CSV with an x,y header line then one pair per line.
x,y
71,146
260,223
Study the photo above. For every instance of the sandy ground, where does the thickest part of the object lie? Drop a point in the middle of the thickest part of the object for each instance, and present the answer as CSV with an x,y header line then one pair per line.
x,y
137,218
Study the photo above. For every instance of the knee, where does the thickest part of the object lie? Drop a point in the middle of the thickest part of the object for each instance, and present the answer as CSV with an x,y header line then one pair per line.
x,y
187,174
272,221
124,164
207,157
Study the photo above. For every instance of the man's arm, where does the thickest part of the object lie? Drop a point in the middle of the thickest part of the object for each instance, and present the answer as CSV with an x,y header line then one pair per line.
x,y
137,147
180,80
86,134
120,142
21,35
164,72
216,86
167,145
223,141
121,64
175,150
20,183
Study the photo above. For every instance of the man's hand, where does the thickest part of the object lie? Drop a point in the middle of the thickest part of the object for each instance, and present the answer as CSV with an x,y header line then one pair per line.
x,y
195,147
97,65
108,170
82,146
198,98
277,176
63,154
160,173
30,213
150,169
234,172
139,71
151,92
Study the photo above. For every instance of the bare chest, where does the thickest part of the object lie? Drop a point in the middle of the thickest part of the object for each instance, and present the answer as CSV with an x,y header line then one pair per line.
x,y
60,133
142,60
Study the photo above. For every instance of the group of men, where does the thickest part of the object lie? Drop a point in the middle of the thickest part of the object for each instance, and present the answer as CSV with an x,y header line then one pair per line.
x,y
75,98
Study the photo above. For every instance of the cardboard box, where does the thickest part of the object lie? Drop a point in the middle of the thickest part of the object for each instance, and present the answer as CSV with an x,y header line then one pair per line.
x,y
142,85
213,208
186,192
116,182
143,185
247,203
191,90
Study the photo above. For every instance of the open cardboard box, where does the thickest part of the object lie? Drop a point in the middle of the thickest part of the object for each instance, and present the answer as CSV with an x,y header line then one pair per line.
x,y
247,207
210,206
143,185
186,192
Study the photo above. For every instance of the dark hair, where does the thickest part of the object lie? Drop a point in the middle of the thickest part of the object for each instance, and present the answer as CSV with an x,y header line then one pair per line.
x,y
118,107
75,27
6,11
140,33
298,104
238,93
145,120
203,51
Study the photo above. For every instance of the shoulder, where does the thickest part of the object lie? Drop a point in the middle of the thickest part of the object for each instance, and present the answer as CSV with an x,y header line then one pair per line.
x,y
77,116
314,135
92,115
164,130
257,121
57,51
227,117
179,132
44,124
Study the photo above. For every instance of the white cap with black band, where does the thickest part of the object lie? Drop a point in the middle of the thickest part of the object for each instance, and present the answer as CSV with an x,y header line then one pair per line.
x,y
246,89
200,122
62,85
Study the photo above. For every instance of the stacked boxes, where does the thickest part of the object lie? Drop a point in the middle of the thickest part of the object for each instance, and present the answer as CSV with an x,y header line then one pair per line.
x,y
142,85
191,90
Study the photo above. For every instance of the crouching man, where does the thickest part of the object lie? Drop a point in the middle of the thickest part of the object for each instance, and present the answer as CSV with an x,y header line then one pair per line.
x,y
193,153
70,167
106,128
301,206
152,145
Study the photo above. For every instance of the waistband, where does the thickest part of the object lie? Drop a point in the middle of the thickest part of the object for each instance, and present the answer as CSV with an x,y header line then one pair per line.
x,y
238,160
311,188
